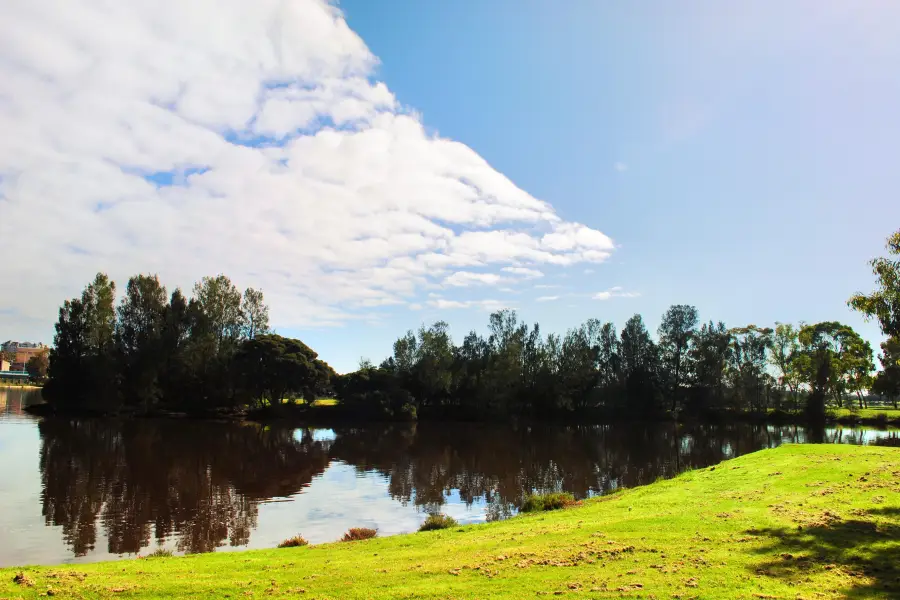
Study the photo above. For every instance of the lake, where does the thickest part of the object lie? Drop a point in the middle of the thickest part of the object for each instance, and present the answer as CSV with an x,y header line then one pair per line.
x,y
84,490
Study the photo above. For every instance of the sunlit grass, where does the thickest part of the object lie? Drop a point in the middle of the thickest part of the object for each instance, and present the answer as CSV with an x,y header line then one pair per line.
x,y
810,521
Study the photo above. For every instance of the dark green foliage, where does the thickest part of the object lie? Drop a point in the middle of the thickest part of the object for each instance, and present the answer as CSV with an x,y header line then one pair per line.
x,y
294,542
159,352
160,553
437,521
356,534
541,502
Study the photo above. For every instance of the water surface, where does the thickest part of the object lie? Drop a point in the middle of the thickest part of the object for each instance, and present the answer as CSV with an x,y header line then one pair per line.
x,y
83,490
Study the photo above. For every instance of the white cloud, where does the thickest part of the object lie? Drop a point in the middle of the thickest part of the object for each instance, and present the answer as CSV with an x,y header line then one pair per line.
x,y
620,167
547,286
615,292
547,298
467,278
524,272
246,138
488,305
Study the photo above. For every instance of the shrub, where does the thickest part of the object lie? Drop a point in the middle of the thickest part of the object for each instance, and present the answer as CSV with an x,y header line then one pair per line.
x,y
438,521
293,542
358,533
160,553
539,502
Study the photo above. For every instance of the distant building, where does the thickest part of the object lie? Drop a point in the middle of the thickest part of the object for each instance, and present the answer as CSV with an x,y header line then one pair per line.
x,y
4,365
22,353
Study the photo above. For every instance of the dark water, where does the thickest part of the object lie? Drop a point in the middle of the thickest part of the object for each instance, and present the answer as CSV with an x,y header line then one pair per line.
x,y
81,490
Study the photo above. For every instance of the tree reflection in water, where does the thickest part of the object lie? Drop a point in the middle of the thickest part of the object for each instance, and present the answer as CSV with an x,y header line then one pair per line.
x,y
200,483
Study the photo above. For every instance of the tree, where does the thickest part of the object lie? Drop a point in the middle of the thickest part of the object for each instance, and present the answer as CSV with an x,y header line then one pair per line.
x,y
887,382
255,314
8,356
432,372
271,367
709,360
639,360
830,351
139,331
749,356
676,331
785,349
857,366
38,366
82,372
219,306
884,303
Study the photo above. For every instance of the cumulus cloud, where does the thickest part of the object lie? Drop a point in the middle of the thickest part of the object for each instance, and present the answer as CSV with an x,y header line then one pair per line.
x,y
467,278
487,305
524,272
615,292
246,138
547,298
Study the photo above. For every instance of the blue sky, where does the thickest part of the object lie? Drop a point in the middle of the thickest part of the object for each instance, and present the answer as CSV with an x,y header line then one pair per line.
x,y
761,142
741,157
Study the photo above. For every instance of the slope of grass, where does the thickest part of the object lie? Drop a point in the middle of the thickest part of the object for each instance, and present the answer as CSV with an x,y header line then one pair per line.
x,y
794,522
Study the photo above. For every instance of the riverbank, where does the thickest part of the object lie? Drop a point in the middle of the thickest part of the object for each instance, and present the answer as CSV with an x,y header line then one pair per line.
x,y
807,521
329,412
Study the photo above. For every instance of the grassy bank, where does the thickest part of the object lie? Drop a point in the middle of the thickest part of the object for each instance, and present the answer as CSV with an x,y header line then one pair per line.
x,y
794,522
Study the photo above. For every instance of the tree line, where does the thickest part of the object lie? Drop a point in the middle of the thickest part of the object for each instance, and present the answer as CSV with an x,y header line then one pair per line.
x,y
214,350
155,351
689,367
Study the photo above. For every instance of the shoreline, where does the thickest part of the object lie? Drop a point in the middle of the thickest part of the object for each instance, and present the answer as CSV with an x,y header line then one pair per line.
x,y
333,415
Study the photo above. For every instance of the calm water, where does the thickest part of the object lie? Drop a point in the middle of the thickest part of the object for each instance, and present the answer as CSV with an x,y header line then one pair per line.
x,y
84,490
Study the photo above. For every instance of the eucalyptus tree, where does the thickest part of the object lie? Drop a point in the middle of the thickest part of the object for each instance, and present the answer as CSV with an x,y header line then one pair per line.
x,y
676,332
785,350
884,303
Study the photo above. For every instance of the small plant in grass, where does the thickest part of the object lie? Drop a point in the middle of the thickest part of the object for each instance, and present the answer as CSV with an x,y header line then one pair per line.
x,y
539,502
359,533
438,521
294,542
160,553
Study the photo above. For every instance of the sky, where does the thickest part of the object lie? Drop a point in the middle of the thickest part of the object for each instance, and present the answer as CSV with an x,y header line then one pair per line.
x,y
373,166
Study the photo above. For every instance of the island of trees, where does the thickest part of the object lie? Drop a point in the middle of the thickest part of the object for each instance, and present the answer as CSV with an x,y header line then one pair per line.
x,y
213,352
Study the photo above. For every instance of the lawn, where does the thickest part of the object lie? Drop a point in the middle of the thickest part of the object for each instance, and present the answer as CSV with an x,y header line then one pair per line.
x,y
812,521
890,414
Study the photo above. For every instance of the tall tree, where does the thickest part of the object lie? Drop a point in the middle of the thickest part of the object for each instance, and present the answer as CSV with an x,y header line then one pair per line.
x,y
639,361
676,331
785,349
219,304
141,319
884,303
749,356
824,364
255,314
887,382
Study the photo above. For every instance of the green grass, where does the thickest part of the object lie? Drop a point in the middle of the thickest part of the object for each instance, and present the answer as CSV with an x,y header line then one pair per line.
x,y
812,521
867,413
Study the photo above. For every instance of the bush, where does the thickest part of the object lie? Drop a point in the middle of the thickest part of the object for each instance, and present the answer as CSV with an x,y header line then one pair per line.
x,y
540,502
293,542
438,521
160,553
358,533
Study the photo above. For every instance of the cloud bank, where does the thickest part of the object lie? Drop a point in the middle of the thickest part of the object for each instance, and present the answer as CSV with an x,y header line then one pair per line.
x,y
246,138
